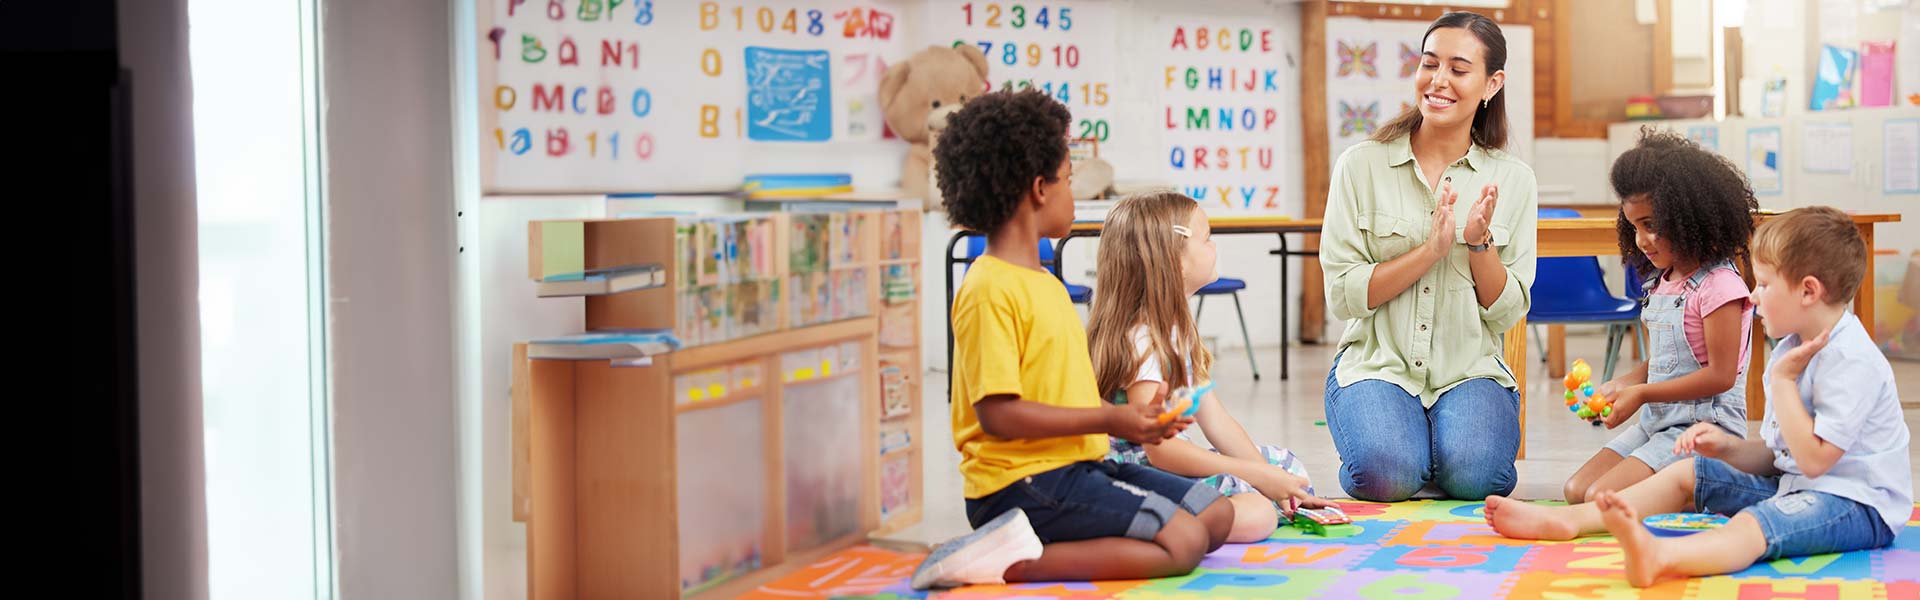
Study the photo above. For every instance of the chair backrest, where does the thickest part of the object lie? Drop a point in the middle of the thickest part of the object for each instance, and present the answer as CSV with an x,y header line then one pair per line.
x,y
977,245
1569,282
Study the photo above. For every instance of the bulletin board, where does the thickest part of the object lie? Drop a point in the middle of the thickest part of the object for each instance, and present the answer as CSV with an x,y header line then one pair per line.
x,y
668,96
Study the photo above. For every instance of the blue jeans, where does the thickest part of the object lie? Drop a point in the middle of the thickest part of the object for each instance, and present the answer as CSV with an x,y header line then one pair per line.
x,y
1803,523
1096,499
1390,446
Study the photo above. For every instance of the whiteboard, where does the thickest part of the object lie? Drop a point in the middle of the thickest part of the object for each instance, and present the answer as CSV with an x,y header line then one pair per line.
x,y
665,96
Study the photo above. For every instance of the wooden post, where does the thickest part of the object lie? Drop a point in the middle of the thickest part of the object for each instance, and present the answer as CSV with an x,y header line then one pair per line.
x,y
1316,164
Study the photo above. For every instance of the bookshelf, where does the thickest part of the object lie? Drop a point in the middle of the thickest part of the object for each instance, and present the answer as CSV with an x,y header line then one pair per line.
x,y
781,430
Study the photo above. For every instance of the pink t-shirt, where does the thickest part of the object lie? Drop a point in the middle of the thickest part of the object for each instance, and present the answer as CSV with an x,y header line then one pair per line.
x,y
1720,287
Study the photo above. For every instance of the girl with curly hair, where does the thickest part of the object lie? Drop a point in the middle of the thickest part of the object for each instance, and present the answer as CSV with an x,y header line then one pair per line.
x,y
1685,216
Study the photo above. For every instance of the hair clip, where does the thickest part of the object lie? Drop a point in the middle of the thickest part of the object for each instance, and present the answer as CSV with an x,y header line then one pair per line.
x,y
1183,231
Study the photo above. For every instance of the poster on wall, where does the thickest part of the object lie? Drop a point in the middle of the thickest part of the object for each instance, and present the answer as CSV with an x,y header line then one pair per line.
x,y
604,96
1900,139
1373,68
1221,111
1065,48
1763,160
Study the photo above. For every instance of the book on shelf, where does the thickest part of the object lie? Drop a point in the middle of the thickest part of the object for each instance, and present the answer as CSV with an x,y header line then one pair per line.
x,y
598,282
617,344
778,181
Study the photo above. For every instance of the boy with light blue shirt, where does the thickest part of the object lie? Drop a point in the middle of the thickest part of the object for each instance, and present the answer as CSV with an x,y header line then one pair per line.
x,y
1830,471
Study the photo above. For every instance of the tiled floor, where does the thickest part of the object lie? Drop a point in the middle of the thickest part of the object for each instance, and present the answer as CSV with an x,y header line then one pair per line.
x,y
1284,412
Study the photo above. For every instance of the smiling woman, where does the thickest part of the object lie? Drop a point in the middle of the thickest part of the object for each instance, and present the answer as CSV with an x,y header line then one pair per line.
x,y
1418,393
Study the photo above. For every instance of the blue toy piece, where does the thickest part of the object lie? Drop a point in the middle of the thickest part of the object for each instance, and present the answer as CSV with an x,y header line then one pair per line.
x,y
1681,524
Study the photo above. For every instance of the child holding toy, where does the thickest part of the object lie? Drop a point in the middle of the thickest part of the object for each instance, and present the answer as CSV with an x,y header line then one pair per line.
x,y
1027,419
1685,213
1830,472
1156,250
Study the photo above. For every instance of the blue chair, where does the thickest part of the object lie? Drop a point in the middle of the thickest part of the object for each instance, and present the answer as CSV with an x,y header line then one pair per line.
x,y
977,245
1231,287
1574,290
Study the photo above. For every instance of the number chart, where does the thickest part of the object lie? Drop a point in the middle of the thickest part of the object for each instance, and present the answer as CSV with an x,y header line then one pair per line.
x,y
681,95
1222,112
1064,48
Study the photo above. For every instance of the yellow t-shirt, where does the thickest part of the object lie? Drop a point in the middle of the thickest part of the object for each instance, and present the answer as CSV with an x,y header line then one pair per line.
x,y
1015,332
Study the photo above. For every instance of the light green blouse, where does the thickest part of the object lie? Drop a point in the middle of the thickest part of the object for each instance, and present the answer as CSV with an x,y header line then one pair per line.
x,y
1434,335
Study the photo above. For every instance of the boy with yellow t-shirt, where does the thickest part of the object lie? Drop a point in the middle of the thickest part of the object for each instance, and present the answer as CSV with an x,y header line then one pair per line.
x,y
1027,417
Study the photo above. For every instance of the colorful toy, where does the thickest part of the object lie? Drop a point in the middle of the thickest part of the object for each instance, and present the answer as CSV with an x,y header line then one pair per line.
x,y
1317,520
1679,524
1189,403
1581,399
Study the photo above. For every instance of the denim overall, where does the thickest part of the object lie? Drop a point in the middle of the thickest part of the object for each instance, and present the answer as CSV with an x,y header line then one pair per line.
x,y
1651,439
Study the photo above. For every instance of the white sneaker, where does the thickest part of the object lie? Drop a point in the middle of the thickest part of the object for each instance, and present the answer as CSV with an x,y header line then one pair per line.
x,y
981,557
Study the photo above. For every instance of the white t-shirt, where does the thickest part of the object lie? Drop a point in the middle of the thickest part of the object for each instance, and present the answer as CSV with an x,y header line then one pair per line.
x,y
1848,388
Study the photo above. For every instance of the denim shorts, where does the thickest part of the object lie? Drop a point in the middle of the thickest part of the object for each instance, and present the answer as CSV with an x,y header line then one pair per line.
x,y
1096,499
1803,523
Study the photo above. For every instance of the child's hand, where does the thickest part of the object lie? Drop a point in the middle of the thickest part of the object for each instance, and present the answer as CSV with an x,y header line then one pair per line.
x,y
1612,388
1289,490
1625,402
1794,362
1132,425
1481,217
1704,439
1441,242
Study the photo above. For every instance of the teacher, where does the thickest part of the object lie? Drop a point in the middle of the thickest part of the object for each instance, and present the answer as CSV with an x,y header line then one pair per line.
x,y
1418,393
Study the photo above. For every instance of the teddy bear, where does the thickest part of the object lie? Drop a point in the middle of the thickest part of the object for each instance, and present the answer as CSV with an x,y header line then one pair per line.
x,y
916,97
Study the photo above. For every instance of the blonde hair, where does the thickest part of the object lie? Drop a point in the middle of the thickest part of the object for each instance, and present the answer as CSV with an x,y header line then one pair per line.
x,y
1817,241
1140,283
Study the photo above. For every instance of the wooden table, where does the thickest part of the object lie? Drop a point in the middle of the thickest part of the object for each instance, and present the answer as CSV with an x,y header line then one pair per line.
x,y
1597,237
1276,226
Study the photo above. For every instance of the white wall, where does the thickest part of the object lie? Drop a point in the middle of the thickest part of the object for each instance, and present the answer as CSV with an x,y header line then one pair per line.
x,y
173,517
389,187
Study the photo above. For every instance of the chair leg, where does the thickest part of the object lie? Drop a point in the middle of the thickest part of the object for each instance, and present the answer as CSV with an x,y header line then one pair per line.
x,y
1538,342
1614,337
1198,310
1245,338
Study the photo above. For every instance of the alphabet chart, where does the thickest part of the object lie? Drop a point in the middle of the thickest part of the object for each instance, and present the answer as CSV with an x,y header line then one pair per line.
x,y
1222,111
646,95
1062,47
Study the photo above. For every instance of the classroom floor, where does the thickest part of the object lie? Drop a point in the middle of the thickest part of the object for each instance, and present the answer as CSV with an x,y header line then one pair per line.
x,y
1284,413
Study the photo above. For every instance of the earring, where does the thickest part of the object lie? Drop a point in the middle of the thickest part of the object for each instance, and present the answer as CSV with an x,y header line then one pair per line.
x,y
1483,103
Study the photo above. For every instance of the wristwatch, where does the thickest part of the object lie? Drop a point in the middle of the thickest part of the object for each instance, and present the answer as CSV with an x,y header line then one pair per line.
x,y
1482,247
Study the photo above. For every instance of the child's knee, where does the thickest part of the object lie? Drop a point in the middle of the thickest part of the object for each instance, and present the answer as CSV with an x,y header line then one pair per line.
x,y
1218,518
1254,518
1186,540
1575,490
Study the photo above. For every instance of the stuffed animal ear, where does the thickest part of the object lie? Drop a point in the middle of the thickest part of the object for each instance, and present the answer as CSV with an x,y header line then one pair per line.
x,y
975,56
895,79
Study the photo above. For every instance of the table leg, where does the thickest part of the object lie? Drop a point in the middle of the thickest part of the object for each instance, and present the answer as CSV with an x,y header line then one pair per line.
x,y
1285,298
1557,351
1516,356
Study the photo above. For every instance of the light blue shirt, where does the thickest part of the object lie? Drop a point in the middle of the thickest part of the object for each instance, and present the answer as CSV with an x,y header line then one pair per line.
x,y
1848,388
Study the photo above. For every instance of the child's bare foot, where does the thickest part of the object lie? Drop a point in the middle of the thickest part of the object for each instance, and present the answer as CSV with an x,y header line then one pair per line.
x,y
1642,551
1523,521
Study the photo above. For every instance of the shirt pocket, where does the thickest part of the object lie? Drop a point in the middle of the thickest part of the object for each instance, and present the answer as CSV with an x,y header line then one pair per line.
x,y
1461,259
1388,235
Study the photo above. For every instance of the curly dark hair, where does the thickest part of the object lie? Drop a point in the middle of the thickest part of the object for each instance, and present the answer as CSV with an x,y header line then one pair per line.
x,y
991,151
1702,204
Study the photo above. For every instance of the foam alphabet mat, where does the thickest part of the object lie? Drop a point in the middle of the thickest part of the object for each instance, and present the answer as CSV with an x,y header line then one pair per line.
x,y
1419,550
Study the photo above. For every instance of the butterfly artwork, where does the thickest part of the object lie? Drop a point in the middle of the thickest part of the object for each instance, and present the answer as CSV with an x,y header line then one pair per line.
x,y
1355,58
1358,120
1409,60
